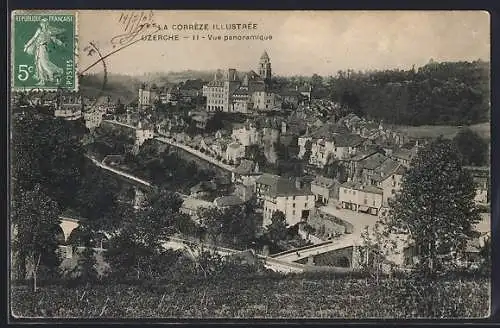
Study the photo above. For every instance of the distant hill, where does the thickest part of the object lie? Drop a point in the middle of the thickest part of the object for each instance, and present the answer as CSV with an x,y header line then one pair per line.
x,y
117,86
124,87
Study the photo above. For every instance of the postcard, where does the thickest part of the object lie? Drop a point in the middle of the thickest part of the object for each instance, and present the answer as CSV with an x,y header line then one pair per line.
x,y
285,165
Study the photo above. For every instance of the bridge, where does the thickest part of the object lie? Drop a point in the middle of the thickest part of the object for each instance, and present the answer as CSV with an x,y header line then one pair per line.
x,y
68,224
270,263
346,247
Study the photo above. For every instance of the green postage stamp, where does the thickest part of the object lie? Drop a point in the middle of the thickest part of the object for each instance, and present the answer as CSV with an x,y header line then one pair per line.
x,y
44,51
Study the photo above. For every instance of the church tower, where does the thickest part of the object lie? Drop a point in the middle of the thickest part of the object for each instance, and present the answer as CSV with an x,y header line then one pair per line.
x,y
265,66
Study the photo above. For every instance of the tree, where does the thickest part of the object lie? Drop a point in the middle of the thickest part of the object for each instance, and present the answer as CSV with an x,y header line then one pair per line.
x,y
277,229
48,152
308,152
316,81
435,206
472,147
378,244
86,268
235,225
138,245
35,219
96,200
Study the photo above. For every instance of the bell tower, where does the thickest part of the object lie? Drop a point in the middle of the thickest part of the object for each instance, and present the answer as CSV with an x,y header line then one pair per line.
x,y
265,66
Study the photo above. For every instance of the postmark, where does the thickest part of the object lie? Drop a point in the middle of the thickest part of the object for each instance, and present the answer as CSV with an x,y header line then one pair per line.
x,y
44,51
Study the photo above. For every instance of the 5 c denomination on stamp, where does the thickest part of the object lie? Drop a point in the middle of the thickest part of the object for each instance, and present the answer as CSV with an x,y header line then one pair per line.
x,y
44,51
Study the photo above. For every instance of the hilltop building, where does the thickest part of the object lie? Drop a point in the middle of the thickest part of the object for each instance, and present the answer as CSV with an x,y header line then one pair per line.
x,y
229,92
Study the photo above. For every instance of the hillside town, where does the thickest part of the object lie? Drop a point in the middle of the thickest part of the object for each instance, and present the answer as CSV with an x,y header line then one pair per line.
x,y
330,172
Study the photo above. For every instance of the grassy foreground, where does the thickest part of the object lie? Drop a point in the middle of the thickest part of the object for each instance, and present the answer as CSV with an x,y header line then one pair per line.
x,y
262,297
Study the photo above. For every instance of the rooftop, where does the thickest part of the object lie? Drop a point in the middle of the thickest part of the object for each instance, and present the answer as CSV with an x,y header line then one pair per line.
x,y
246,167
373,161
286,187
230,200
347,140
323,181
360,187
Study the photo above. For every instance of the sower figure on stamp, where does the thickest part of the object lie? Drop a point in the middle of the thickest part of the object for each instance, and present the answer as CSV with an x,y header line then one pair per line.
x,y
45,70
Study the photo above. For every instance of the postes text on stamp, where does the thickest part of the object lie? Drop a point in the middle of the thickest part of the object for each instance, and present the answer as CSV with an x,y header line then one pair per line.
x,y
43,51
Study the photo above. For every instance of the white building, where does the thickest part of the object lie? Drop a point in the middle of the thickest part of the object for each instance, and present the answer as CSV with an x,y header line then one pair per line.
x,y
147,96
247,135
142,134
93,118
228,92
283,195
391,183
360,198
235,151
323,189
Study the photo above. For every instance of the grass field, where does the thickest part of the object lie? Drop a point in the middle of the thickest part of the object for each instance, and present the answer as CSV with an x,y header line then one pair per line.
x,y
448,131
264,297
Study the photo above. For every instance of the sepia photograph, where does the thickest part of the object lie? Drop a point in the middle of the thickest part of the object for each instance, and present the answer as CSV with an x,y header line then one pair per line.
x,y
190,164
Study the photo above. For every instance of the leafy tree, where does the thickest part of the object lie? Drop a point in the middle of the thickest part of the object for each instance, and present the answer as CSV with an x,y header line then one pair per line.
x,y
96,200
277,229
48,152
308,152
35,219
316,81
235,225
378,244
472,147
256,154
86,268
435,206
138,245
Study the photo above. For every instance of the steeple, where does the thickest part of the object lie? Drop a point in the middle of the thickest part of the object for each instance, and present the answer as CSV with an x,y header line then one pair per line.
x,y
265,66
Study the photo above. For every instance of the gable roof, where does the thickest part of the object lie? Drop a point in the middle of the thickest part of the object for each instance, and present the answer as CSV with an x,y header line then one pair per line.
x,y
403,153
230,200
246,167
373,161
323,181
347,140
285,187
267,179
363,188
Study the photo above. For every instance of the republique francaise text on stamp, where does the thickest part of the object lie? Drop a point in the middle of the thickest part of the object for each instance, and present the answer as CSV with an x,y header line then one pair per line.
x,y
44,51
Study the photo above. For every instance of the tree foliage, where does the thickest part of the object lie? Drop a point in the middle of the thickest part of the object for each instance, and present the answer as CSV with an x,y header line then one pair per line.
x,y
277,229
46,151
437,93
472,147
435,206
35,219
234,225
137,247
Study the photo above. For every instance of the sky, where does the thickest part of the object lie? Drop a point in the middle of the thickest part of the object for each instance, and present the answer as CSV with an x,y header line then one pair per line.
x,y
303,42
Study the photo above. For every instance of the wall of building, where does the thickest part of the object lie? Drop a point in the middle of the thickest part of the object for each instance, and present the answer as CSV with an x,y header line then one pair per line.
x,y
391,186
291,206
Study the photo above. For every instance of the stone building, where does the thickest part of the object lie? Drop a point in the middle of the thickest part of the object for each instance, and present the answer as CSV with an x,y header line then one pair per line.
x,y
228,92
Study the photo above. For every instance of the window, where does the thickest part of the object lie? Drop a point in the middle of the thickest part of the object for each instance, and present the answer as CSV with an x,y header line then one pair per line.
x,y
393,191
374,202
354,192
293,205
293,212
345,191
293,197
366,201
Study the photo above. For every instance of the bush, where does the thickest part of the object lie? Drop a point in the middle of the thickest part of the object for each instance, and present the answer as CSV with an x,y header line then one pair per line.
x,y
264,295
